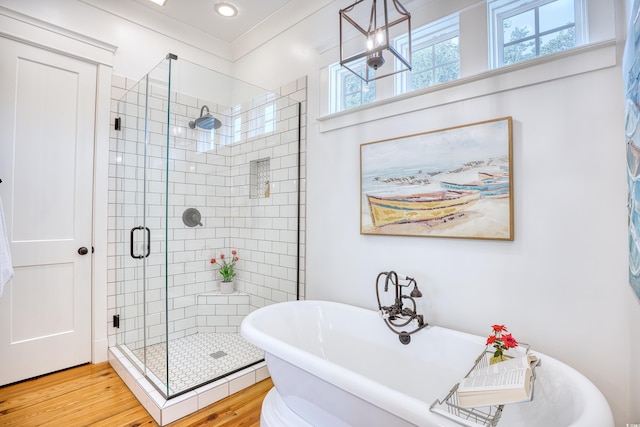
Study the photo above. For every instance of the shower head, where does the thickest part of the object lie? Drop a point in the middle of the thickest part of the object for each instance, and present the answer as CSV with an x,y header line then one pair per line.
x,y
205,121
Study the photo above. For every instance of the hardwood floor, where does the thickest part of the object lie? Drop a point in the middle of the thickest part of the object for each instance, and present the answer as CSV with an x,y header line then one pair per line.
x,y
94,395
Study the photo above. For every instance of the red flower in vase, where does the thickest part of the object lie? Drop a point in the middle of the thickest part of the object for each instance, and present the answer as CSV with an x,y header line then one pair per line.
x,y
501,341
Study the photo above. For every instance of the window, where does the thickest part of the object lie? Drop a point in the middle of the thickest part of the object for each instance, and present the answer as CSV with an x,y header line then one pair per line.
x,y
270,118
348,90
435,55
237,129
435,59
262,115
496,33
523,30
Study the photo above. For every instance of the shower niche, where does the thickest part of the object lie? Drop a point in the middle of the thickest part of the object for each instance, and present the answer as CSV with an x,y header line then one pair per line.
x,y
191,137
260,171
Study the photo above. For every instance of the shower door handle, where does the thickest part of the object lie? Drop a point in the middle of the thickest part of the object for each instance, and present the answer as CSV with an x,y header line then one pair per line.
x,y
148,248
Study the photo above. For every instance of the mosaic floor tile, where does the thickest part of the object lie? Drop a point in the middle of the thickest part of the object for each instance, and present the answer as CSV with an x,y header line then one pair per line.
x,y
199,358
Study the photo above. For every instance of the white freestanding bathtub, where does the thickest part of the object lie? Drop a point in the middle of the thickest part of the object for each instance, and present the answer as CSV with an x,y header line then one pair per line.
x,y
335,365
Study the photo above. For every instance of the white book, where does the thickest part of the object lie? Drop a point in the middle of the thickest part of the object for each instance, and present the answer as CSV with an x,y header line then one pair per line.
x,y
504,382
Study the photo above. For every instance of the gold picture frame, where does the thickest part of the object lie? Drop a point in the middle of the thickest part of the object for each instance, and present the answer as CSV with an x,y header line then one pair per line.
x,y
455,182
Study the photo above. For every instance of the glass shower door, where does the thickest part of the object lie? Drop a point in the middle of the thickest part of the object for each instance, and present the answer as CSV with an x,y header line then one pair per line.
x,y
131,239
141,163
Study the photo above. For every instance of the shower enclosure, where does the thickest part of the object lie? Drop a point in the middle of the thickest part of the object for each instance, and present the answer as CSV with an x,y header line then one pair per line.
x,y
203,164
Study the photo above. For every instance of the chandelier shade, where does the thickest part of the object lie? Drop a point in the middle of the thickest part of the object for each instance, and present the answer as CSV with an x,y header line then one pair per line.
x,y
366,35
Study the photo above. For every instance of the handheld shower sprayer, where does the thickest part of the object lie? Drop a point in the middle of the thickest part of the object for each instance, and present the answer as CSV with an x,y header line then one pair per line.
x,y
415,293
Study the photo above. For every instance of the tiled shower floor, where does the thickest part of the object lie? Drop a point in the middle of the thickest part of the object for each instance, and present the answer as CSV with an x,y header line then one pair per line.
x,y
199,358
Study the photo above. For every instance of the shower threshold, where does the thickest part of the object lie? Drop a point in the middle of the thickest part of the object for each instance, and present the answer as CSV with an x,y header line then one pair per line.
x,y
165,411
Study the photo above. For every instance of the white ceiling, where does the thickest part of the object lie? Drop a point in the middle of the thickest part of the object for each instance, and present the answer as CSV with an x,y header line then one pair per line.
x,y
200,15
257,21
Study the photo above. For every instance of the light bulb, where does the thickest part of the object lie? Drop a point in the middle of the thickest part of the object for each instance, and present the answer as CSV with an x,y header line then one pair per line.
x,y
226,9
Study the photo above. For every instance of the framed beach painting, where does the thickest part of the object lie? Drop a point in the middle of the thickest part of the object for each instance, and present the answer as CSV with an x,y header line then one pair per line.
x,y
454,182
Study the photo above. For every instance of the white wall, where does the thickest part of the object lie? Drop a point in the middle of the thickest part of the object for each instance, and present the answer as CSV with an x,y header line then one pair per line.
x,y
561,285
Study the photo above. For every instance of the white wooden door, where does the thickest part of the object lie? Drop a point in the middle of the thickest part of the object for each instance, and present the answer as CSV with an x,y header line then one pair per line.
x,y
47,116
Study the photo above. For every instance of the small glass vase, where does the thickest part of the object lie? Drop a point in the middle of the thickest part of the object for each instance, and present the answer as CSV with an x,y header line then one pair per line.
x,y
226,287
497,359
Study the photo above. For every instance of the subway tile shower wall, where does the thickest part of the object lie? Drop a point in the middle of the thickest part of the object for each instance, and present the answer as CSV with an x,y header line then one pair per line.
x,y
209,171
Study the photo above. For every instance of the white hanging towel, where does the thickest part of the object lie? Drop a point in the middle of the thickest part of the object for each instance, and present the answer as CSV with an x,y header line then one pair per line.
x,y
6,267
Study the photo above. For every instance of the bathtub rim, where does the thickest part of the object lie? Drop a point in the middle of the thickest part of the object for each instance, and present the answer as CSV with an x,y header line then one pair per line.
x,y
376,393
412,409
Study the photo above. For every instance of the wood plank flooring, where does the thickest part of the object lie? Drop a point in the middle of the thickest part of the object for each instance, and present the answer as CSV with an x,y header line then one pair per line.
x,y
94,395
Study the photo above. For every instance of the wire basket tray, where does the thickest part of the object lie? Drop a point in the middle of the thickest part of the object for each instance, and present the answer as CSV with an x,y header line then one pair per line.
x,y
450,408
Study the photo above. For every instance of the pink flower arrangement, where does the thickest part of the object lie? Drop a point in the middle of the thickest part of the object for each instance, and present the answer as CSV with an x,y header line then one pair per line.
x,y
227,267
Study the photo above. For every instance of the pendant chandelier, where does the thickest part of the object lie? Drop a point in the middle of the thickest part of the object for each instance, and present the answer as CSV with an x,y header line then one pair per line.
x,y
372,38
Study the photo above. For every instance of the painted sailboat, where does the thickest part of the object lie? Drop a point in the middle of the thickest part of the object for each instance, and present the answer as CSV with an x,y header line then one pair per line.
x,y
489,185
419,207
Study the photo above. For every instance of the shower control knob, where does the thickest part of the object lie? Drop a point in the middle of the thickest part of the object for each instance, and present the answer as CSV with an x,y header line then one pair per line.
x,y
83,251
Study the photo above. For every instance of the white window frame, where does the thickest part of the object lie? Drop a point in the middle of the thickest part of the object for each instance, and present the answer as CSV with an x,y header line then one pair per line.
x,y
237,124
270,117
337,75
422,37
499,10
262,115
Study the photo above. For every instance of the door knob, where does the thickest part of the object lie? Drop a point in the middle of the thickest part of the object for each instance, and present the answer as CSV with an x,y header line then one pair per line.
x,y
83,251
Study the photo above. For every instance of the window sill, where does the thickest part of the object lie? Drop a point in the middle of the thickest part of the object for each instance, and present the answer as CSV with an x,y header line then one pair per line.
x,y
583,59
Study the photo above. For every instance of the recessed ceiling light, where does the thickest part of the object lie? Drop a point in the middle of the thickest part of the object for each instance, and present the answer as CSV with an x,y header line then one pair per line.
x,y
159,2
226,9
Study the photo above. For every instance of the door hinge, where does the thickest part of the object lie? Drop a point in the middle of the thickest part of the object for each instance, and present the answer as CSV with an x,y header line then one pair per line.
x,y
116,125
116,320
